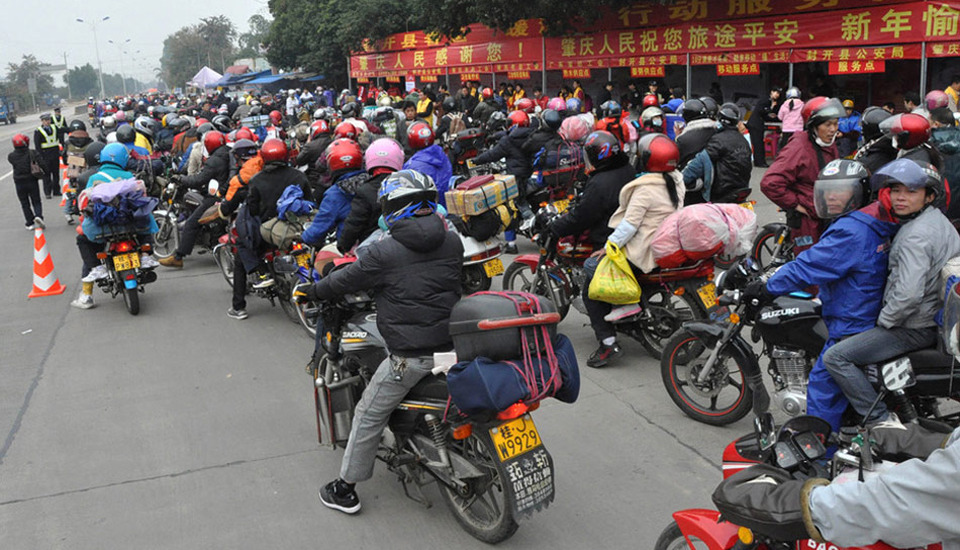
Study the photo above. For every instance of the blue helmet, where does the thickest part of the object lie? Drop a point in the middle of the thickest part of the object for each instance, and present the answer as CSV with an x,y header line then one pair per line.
x,y
573,104
115,153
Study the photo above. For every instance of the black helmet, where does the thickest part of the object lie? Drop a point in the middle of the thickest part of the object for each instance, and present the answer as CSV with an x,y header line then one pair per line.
x,y
611,109
729,114
693,109
350,110
92,153
77,125
204,128
244,149
552,119
222,123
602,148
449,104
711,105
126,134
870,122
405,194
842,187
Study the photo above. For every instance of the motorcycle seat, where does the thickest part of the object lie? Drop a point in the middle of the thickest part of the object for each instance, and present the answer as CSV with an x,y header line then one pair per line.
x,y
703,268
930,361
429,387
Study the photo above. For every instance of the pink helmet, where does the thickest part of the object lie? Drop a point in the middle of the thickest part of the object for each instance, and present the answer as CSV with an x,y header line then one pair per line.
x,y
383,153
557,104
120,116
937,99
574,128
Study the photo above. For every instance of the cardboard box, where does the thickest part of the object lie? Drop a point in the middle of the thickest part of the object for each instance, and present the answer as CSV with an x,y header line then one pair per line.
x,y
471,202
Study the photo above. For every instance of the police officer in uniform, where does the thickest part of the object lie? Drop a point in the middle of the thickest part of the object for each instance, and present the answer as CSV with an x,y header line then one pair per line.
x,y
47,143
60,123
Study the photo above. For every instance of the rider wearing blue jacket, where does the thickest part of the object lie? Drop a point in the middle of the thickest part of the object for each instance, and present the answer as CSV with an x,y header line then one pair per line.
x,y
345,161
429,158
849,264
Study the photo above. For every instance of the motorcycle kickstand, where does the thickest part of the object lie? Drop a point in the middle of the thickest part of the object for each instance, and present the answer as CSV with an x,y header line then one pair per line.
x,y
405,480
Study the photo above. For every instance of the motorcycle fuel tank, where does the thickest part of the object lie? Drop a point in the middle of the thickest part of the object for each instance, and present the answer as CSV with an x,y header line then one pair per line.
x,y
793,321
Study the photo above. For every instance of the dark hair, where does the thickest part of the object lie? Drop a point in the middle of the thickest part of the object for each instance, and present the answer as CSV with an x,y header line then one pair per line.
x,y
672,184
912,97
943,115
407,104
537,89
954,79
890,104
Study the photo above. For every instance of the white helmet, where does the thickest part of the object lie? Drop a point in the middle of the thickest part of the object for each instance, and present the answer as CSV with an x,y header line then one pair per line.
x,y
793,92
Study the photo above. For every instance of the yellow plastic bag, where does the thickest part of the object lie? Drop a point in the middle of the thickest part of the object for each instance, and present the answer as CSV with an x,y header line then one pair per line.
x,y
614,282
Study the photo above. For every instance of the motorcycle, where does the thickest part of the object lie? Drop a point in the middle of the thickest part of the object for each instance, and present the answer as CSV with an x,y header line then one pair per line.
x,y
705,359
481,262
177,203
773,246
491,469
121,256
669,297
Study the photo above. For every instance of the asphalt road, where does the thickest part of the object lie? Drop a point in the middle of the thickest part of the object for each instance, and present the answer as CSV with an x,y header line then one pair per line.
x,y
182,428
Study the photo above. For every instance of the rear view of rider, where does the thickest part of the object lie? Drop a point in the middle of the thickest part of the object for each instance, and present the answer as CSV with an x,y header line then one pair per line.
x,y
730,154
345,162
428,157
414,274
382,158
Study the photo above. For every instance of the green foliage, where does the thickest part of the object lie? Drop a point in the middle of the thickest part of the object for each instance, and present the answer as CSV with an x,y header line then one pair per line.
x,y
17,76
186,51
83,81
251,41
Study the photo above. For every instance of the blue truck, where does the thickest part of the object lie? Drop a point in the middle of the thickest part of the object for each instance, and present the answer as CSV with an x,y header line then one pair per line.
x,y
7,112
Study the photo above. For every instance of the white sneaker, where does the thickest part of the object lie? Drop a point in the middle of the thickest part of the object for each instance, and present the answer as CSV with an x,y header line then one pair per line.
x,y
30,227
147,261
38,223
622,312
69,218
264,283
83,301
97,273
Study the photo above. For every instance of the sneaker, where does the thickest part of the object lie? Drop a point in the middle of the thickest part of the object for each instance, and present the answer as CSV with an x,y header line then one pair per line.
x,y
622,312
265,281
147,261
96,274
69,219
340,496
604,355
510,248
238,314
172,261
48,196
83,301
30,226
38,223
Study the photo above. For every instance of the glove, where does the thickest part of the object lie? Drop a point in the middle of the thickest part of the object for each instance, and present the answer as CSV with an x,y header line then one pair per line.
x,y
757,290
767,500
904,441
305,292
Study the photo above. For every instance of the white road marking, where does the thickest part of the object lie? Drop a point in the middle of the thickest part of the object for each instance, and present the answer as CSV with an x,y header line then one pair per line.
x,y
5,176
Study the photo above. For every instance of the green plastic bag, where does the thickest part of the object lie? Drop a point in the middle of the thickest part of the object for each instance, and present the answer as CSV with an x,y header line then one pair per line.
x,y
614,282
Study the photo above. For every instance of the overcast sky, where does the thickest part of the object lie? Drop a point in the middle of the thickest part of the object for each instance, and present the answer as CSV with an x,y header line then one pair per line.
x,y
48,28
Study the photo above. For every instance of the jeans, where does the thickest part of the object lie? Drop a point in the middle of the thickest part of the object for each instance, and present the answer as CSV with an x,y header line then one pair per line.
x,y
192,226
239,284
28,192
373,411
596,310
844,362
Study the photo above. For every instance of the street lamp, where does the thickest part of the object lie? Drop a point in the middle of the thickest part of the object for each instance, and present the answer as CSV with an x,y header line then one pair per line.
x,y
96,45
123,74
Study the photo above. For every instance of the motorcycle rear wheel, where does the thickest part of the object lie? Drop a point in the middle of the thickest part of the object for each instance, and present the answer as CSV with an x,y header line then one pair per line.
x,y
520,277
131,299
285,296
474,279
669,312
167,239
683,357
672,539
309,323
485,508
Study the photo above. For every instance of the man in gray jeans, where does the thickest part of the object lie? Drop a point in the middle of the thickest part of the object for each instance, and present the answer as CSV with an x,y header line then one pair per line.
x,y
913,293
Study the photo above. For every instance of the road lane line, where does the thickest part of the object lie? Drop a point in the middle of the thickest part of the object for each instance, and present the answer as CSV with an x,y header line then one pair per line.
x,y
5,176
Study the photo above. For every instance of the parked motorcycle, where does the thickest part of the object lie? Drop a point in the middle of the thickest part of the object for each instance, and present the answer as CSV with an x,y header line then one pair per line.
x,y
177,203
121,256
773,246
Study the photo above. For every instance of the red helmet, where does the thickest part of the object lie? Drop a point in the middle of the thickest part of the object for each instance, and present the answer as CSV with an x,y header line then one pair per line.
x,y
346,130
525,104
420,135
821,109
319,127
657,153
273,150
245,133
202,120
908,130
275,117
486,93
344,154
21,140
213,140
519,118
650,100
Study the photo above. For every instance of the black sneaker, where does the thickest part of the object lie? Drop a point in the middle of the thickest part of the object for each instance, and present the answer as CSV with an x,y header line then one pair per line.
x,y
604,355
340,496
510,248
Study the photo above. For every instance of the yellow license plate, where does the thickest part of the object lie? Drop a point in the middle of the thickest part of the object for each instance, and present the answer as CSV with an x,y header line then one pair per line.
x,y
514,438
124,262
708,295
493,267
303,260
561,205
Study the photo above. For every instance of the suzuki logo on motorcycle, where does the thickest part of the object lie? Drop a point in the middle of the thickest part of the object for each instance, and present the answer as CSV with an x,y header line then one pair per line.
x,y
779,313
354,334
821,546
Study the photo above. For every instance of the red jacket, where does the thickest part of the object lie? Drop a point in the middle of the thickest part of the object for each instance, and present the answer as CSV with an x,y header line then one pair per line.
x,y
789,181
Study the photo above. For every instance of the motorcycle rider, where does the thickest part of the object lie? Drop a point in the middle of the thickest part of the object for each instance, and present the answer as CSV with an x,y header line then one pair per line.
x,y
612,121
730,154
789,180
945,136
924,243
414,272
345,163
910,135
877,148
849,264
320,139
428,158
382,158
486,107
46,141
27,186
251,163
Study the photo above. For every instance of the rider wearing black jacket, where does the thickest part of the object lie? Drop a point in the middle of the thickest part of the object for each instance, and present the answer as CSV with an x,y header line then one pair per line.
x,y
730,154
600,199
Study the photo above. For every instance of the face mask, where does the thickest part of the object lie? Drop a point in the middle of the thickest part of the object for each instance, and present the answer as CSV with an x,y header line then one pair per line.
x,y
822,143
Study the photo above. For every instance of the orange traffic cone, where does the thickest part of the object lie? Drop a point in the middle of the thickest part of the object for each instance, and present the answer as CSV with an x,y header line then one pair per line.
x,y
45,281
63,190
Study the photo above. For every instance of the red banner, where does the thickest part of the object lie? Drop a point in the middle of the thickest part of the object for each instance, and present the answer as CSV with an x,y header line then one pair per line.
x,y
894,53
518,75
464,77
738,69
656,71
857,67
943,49
363,80
428,78
576,73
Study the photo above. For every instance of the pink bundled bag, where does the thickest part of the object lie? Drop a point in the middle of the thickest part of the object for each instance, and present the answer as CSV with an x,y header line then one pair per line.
x,y
702,231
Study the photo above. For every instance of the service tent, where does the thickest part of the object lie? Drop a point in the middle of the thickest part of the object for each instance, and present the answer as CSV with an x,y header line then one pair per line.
x,y
204,77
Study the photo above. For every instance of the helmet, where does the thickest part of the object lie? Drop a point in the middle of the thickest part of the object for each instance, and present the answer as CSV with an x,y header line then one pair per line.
x,y
222,123
319,127
652,118
611,109
573,128
121,116
519,118
419,135
650,100
573,105
840,188
244,133
213,140
497,121
344,154
346,130
819,110
273,150
21,140
319,114
383,153
244,149
201,121
557,104
275,117
142,125
92,153
449,104
601,148
108,122
383,100
729,114
526,105
908,130
793,92
870,122
77,125
126,134
204,128
350,110
116,154
848,104
552,119
710,105
657,153
937,99
486,93
693,109
406,194
912,174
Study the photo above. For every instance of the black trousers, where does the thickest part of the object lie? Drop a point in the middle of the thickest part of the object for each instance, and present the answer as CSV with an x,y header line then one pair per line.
x,y
192,226
88,253
759,147
50,161
28,191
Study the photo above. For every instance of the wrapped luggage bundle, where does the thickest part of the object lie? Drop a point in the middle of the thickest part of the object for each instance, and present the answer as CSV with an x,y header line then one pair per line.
x,y
701,231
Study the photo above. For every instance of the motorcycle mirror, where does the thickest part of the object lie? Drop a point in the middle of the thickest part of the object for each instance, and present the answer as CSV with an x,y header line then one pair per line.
x,y
766,430
898,375
213,187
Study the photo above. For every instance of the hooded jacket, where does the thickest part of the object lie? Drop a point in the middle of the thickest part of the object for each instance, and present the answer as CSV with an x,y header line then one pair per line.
x,y
694,138
335,207
414,273
268,185
732,163
433,162
510,146
600,199
791,114
20,159
644,204
361,222
77,143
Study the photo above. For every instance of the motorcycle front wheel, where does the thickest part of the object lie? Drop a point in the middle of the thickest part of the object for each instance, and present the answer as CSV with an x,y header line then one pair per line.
x,y
723,397
520,277
485,508
664,313
307,313
224,259
167,239
765,246
672,539
285,295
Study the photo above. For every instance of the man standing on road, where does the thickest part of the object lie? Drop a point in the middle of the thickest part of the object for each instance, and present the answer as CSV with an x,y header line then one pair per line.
x,y
60,123
47,142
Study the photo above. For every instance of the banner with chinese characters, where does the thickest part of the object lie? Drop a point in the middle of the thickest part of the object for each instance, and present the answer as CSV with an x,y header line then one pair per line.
x,y
738,69
518,75
428,78
465,77
657,71
394,79
883,53
943,49
782,56
576,73
857,67
363,80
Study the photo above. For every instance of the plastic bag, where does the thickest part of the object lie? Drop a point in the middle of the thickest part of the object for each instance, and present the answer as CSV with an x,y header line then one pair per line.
x,y
614,282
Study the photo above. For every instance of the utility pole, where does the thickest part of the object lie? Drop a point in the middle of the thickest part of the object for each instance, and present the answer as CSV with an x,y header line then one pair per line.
x,y
96,44
67,69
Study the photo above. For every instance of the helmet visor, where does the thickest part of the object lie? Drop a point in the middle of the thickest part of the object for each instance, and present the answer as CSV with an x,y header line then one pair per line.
x,y
835,197
901,171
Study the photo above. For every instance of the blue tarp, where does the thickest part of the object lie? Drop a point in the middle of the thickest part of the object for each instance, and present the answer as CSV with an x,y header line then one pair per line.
x,y
236,79
267,79
314,78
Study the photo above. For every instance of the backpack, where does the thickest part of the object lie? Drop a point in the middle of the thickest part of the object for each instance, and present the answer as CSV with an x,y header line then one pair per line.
x,y
558,164
457,125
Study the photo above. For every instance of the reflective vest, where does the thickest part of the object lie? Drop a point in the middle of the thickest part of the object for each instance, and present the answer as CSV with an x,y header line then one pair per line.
x,y
49,140
59,122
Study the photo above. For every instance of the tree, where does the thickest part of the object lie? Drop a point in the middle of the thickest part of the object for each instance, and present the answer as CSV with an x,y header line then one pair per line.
x,y
83,81
19,74
218,34
251,41
186,51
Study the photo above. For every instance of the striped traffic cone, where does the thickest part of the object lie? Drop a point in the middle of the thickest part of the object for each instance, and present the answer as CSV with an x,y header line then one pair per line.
x,y
63,189
45,281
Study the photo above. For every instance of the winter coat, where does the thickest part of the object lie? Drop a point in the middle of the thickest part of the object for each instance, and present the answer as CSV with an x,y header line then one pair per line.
x,y
644,204
484,109
732,164
108,172
875,154
698,178
850,266
789,182
76,143
216,167
361,222
694,138
20,158
414,273
921,248
334,208
850,124
760,115
599,201
790,114
310,154
510,146
249,169
268,185
947,141
539,139
433,162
